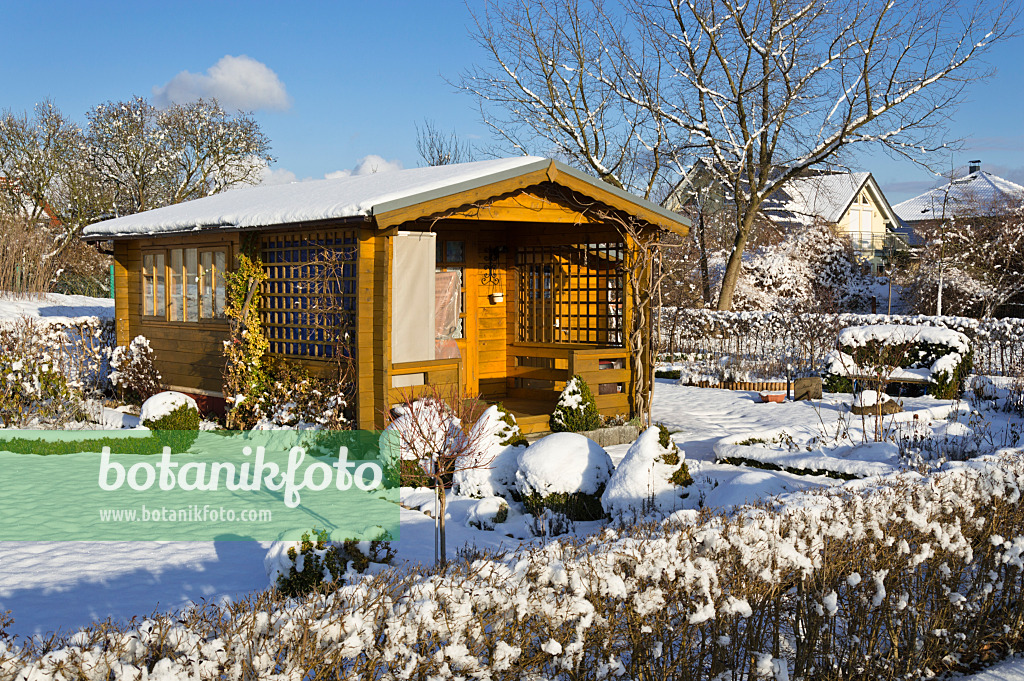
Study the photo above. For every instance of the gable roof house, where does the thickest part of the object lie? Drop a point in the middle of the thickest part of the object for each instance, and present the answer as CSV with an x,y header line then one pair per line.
x,y
500,278
853,202
979,193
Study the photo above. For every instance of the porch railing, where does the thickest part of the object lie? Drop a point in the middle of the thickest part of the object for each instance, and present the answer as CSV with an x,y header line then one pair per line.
x,y
441,377
539,371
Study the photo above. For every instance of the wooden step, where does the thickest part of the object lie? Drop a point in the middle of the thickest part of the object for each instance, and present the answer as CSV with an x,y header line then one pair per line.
x,y
534,424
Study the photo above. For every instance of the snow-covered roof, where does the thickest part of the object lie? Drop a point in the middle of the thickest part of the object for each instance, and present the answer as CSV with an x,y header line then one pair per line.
x,y
819,195
345,197
826,196
978,193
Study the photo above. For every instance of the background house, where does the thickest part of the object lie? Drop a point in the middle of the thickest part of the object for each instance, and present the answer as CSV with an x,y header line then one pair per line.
x,y
979,193
853,202
498,278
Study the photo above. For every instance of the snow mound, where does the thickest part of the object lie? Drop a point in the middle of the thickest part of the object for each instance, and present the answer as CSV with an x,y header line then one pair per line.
x,y
869,398
563,463
641,481
487,513
162,404
490,469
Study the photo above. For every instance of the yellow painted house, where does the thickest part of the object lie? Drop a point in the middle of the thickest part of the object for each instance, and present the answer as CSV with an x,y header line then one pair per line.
x,y
499,278
853,202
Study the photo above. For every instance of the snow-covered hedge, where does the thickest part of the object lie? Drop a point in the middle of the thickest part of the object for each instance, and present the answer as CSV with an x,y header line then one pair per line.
x,y
907,580
896,352
768,341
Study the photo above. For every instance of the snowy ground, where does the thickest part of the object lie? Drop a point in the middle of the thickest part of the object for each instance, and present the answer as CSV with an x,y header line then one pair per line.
x,y
1007,670
54,307
63,586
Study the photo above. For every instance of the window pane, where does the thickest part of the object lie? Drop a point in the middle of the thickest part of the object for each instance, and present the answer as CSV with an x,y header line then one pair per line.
x,y
147,284
191,284
160,303
176,284
456,251
218,283
206,284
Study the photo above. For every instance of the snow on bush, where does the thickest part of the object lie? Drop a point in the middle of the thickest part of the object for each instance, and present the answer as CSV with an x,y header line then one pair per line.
x,y
777,450
489,469
133,375
576,410
893,352
316,563
163,404
803,340
48,369
650,479
890,582
564,472
487,513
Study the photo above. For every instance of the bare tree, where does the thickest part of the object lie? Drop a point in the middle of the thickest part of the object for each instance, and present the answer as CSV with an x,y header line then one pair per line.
x,y
437,148
550,89
763,89
436,438
151,157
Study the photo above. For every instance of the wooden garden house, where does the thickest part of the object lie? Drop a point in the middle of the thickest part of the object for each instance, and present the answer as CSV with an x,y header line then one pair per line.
x,y
501,278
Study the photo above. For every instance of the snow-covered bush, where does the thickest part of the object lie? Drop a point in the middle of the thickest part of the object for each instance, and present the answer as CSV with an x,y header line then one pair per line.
x,y
291,398
650,479
133,375
487,513
576,410
174,417
566,473
315,563
489,469
892,352
170,410
33,387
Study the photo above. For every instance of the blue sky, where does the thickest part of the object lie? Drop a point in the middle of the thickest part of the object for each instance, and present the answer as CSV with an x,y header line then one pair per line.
x,y
335,83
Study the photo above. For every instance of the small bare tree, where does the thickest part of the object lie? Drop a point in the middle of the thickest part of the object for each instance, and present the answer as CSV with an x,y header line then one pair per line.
x,y
435,432
439,149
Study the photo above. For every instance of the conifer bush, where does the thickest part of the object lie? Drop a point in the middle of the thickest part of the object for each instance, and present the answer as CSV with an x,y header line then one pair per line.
x,y
576,410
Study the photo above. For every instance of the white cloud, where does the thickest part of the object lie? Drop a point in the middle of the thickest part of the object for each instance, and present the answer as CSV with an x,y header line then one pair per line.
x,y
237,83
364,166
278,176
368,165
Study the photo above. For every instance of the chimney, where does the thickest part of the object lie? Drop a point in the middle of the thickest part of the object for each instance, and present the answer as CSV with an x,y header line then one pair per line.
x,y
973,166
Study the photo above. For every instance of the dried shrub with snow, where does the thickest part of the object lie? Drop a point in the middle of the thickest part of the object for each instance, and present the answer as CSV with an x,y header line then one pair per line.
x,y
650,480
910,579
576,410
133,375
565,473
